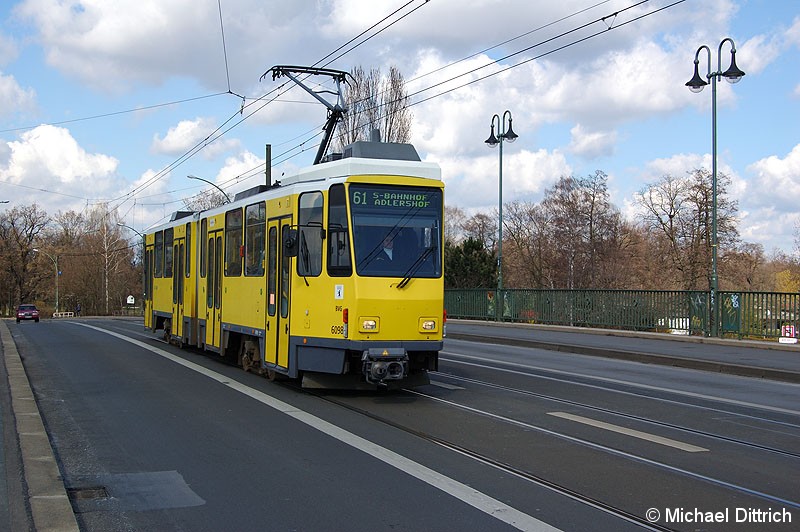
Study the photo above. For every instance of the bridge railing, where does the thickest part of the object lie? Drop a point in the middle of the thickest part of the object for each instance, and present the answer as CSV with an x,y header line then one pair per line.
x,y
740,314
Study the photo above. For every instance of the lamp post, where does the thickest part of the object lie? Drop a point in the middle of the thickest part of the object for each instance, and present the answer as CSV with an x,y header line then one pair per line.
x,y
144,266
509,136
212,184
120,224
697,84
58,273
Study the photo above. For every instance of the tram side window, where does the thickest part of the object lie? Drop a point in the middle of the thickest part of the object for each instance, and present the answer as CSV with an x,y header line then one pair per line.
x,y
188,256
148,273
233,243
159,269
254,241
203,238
168,257
211,273
272,275
339,264
309,256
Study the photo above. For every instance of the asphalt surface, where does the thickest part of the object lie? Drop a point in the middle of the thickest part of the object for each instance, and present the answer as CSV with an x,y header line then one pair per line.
x,y
750,358
33,497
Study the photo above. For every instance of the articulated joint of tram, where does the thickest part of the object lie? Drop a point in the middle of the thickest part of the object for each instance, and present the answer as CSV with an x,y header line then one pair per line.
x,y
382,364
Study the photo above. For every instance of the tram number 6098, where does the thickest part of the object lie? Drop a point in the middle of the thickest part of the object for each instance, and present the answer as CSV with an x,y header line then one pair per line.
x,y
337,329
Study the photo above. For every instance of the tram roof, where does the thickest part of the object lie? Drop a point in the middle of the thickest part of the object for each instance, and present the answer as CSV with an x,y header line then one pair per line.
x,y
363,166
336,169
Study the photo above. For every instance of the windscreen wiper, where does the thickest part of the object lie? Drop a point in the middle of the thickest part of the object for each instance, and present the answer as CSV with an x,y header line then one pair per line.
x,y
416,266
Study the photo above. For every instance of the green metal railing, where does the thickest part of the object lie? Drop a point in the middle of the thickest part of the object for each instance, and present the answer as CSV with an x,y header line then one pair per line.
x,y
741,314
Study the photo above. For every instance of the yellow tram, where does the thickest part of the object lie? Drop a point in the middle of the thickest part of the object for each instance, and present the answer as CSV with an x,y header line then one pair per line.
x,y
334,275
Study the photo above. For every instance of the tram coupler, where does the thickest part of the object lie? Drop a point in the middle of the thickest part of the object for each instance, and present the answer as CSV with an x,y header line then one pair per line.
x,y
381,364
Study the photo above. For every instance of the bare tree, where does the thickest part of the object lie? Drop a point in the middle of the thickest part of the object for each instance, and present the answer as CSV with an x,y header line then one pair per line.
x,y
204,201
743,268
395,117
562,202
483,228
528,249
454,218
797,240
20,229
374,102
678,212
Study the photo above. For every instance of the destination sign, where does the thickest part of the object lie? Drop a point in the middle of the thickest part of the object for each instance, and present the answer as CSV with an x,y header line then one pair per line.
x,y
394,198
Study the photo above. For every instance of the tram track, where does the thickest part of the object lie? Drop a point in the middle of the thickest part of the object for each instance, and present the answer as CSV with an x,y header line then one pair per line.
x,y
663,424
653,422
539,480
611,509
492,462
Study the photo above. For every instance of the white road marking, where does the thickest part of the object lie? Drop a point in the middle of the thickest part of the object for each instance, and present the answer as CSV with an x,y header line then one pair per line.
x,y
689,448
445,385
615,452
464,493
617,381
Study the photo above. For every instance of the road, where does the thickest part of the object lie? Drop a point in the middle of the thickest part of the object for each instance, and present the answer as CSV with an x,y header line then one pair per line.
x,y
152,437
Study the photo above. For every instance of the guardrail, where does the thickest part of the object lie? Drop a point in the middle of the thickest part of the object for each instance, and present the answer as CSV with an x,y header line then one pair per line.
x,y
740,314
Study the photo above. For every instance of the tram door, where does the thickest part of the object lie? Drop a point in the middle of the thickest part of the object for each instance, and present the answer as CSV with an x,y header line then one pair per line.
x,y
278,285
148,287
214,289
178,252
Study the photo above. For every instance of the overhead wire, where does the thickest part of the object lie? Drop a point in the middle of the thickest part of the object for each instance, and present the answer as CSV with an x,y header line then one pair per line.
x,y
378,32
285,155
485,50
531,47
508,56
224,48
214,135
568,45
116,113
563,34
364,32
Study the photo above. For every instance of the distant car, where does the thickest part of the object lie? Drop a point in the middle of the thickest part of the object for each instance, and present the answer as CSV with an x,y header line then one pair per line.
x,y
27,312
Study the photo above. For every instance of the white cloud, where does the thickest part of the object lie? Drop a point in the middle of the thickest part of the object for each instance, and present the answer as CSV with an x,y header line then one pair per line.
x,y
112,46
473,182
592,144
13,98
49,160
777,181
770,227
241,172
189,134
8,49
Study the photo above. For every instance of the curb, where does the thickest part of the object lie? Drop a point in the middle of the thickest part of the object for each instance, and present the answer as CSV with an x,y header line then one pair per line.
x,y
633,356
50,506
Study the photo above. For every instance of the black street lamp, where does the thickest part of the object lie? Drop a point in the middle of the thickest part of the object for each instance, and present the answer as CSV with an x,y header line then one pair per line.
x,y
507,135
697,84
58,271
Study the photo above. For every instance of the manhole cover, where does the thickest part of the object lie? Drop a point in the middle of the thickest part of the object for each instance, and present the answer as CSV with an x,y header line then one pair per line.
x,y
95,492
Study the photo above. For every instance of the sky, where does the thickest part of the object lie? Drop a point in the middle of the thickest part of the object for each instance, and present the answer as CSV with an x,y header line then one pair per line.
x,y
116,102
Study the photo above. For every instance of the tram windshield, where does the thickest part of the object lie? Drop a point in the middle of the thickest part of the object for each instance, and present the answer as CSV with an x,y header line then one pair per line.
x,y
397,231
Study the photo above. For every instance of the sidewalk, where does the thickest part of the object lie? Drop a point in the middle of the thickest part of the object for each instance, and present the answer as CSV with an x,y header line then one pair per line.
x,y
49,506
761,359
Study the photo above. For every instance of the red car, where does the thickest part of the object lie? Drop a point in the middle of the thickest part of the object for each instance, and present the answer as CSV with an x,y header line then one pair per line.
x,y
27,312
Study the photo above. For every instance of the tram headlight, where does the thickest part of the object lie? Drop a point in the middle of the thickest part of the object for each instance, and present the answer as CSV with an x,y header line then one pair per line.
x,y
428,325
369,324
